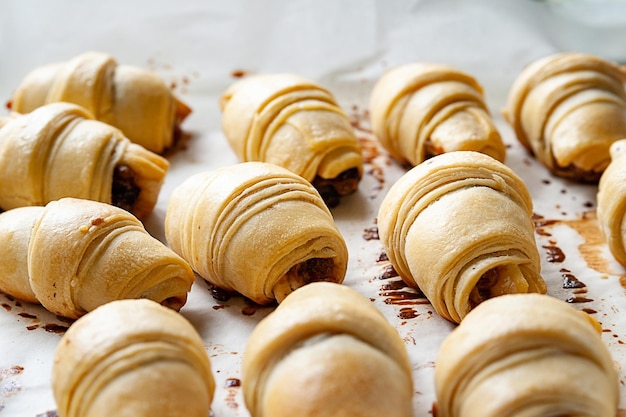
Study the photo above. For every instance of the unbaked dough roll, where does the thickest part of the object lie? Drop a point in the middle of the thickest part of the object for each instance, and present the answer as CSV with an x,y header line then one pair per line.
x,y
326,351
568,109
611,200
292,122
58,150
132,358
132,99
419,110
255,228
459,227
526,355
74,255
15,231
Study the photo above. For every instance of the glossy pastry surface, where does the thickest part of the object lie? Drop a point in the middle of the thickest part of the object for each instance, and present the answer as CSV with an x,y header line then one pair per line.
x,y
132,99
58,151
568,109
459,227
326,351
74,255
132,358
420,110
526,355
292,122
255,228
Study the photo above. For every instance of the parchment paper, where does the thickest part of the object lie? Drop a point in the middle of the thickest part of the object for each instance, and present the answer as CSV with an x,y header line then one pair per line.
x,y
199,46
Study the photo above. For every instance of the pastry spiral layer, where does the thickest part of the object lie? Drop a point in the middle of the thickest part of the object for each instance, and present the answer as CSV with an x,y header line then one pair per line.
x,y
526,355
255,228
420,110
326,351
74,255
58,151
132,358
568,109
611,202
459,227
132,99
292,122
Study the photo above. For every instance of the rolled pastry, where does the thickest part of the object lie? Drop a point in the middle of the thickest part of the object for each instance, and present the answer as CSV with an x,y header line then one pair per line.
x,y
255,228
58,150
611,202
132,99
73,255
292,122
459,227
132,358
420,110
526,355
326,351
568,109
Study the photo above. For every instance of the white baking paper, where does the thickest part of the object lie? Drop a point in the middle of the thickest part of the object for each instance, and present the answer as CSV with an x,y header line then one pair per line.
x,y
199,46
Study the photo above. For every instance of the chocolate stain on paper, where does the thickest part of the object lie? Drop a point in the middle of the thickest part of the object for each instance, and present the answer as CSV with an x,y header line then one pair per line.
x,y
373,159
396,292
592,247
33,322
232,386
10,383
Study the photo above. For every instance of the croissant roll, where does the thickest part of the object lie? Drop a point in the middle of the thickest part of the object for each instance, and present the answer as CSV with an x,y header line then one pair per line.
x,y
15,231
459,227
292,122
58,150
526,355
611,201
73,255
420,110
132,358
255,228
326,351
135,100
568,109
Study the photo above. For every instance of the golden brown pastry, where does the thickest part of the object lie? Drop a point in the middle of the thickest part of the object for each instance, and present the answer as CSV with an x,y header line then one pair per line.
x,y
611,200
255,228
292,122
567,109
58,150
420,110
132,99
132,358
526,355
326,351
459,227
74,255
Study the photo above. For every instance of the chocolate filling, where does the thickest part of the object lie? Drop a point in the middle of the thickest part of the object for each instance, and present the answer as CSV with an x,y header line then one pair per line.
x,y
315,269
332,189
482,290
574,173
175,303
311,270
124,191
